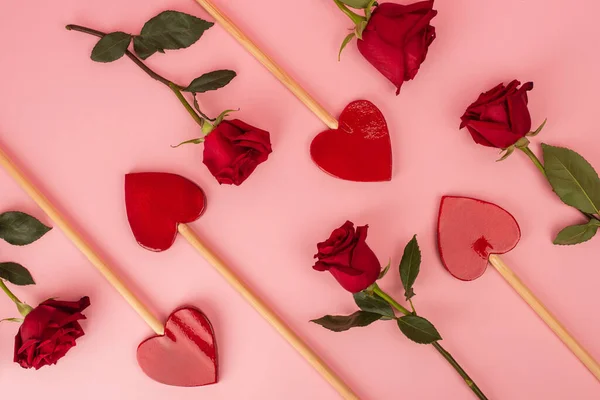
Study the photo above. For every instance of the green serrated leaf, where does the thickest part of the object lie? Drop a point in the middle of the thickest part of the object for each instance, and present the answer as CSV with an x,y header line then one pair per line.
x,y
111,47
358,4
210,81
191,141
16,274
385,270
576,234
171,30
410,266
20,229
418,329
340,323
373,304
145,47
12,320
347,40
573,179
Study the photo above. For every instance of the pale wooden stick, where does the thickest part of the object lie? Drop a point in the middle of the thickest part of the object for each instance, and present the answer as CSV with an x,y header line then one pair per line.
x,y
268,314
81,243
271,65
560,331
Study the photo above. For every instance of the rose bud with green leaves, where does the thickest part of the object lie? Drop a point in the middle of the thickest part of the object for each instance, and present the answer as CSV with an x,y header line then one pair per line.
x,y
338,254
50,330
394,38
171,30
500,118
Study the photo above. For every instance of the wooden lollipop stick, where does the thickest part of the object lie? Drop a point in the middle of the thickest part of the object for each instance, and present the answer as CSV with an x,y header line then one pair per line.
x,y
514,281
271,65
268,314
81,243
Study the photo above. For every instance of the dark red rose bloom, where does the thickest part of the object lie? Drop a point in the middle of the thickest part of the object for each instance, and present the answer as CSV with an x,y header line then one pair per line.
x,y
48,332
499,118
348,257
233,150
397,38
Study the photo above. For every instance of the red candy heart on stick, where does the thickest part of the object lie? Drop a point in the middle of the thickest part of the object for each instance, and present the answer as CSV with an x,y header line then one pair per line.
x,y
186,355
357,148
360,149
472,233
159,195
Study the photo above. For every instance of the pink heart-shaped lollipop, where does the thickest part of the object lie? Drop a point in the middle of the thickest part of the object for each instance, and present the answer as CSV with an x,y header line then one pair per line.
x,y
469,230
360,149
157,202
186,355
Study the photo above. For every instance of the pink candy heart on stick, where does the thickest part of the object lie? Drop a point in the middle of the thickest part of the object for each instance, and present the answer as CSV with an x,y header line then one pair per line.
x,y
471,234
358,148
184,352
160,205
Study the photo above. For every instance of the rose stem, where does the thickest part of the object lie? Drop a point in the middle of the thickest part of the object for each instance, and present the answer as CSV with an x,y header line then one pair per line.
x,y
10,294
437,346
173,86
357,19
540,166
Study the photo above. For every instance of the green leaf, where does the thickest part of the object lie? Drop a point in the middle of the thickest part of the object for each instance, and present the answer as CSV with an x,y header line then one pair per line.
x,y
340,323
12,320
111,47
538,130
418,329
210,81
191,141
573,179
575,234
507,152
373,304
358,4
20,229
223,115
171,30
385,270
410,266
145,47
347,40
16,274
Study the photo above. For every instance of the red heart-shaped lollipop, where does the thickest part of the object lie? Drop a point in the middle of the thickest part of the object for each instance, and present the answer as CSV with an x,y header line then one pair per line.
x,y
156,203
360,149
186,355
469,230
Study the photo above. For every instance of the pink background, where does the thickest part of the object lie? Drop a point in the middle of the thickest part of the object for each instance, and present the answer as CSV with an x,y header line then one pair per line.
x,y
79,126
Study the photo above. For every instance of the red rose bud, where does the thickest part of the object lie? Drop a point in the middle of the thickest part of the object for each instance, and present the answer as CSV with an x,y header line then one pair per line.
x,y
48,332
397,38
233,150
499,117
348,257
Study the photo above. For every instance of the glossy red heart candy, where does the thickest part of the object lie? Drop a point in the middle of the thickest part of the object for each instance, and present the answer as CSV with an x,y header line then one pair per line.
x,y
156,203
186,355
469,230
360,149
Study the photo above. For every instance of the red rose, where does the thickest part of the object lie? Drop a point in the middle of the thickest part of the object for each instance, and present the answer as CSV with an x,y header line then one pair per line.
x,y
397,38
348,257
48,332
233,150
499,118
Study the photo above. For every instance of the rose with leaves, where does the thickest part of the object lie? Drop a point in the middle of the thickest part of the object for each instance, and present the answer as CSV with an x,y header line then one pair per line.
x,y
171,30
394,38
354,265
500,118
51,329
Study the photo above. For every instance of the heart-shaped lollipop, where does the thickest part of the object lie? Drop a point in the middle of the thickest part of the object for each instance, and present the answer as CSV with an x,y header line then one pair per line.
x,y
144,189
183,354
472,233
186,355
360,149
156,203
357,148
